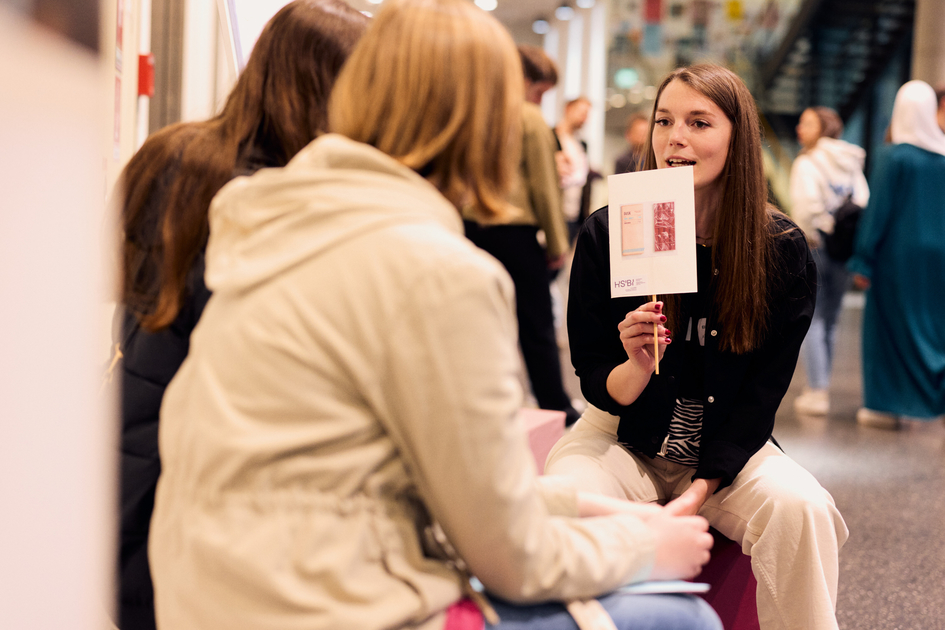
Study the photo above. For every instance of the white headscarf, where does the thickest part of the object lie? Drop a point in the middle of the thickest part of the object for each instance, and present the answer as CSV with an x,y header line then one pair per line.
x,y
913,118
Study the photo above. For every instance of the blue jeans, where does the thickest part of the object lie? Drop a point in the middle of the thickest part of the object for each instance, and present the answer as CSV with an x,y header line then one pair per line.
x,y
833,279
629,612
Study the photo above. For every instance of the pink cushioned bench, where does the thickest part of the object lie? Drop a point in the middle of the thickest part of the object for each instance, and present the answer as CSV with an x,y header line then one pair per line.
x,y
728,571
545,427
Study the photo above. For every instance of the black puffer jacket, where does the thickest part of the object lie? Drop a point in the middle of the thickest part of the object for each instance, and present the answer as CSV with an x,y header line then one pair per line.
x,y
150,362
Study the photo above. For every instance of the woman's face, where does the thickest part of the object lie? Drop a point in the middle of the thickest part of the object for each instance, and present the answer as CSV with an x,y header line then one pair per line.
x,y
808,129
691,130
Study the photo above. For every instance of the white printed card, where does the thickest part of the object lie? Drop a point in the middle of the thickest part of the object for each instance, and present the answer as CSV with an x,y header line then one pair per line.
x,y
652,220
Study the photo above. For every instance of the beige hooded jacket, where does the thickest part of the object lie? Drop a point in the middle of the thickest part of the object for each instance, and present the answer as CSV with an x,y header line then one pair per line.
x,y
353,377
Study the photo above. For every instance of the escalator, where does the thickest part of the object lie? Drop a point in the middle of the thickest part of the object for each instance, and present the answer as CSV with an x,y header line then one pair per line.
x,y
833,53
843,54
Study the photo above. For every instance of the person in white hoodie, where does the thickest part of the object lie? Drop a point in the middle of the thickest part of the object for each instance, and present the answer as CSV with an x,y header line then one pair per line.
x,y
341,447
826,172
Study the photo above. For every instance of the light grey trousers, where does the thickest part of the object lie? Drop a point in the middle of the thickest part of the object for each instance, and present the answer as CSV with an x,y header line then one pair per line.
x,y
780,515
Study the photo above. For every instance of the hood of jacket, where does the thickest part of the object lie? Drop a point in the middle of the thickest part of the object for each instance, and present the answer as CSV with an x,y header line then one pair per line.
x,y
836,159
333,191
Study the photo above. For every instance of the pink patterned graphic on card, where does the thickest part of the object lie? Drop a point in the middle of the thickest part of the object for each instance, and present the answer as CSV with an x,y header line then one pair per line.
x,y
664,226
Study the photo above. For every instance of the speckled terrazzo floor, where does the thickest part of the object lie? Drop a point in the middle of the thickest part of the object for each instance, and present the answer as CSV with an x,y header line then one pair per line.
x,y
889,486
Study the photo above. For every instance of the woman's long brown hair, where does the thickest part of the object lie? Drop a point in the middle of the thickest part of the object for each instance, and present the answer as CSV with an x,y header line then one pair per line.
x,y
277,107
742,240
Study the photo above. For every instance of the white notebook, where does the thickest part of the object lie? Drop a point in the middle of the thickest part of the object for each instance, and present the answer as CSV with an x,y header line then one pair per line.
x,y
665,586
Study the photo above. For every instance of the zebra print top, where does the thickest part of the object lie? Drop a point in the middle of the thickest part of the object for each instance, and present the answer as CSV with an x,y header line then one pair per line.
x,y
681,445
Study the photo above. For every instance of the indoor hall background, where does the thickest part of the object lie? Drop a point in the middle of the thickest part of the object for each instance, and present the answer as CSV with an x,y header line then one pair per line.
x,y
71,117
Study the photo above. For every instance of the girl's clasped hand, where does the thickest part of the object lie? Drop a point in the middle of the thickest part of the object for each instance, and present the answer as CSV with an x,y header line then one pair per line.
x,y
636,334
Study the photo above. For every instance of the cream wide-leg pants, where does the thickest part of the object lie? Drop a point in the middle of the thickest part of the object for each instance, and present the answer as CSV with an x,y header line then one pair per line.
x,y
782,517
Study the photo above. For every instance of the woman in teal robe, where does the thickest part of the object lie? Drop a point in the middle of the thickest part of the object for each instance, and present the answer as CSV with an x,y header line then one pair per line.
x,y
900,260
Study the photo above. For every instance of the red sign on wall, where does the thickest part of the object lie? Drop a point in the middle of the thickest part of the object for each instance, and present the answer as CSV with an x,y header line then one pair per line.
x,y
146,75
654,12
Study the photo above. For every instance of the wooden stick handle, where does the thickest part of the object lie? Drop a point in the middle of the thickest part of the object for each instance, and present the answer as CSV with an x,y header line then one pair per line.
x,y
656,345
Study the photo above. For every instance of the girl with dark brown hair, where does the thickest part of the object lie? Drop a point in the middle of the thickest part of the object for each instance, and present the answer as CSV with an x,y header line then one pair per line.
x,y
700,430
278,106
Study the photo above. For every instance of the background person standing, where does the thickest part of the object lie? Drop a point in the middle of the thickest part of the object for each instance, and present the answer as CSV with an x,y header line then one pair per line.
x,y
513,239
573,166
827,171
900,260
638,127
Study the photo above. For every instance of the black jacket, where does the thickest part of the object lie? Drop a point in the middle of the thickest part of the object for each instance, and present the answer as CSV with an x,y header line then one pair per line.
x,y
742,391
150,362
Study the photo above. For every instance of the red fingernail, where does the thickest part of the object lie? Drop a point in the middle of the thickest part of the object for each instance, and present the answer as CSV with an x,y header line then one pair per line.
x,y
668,340
662,318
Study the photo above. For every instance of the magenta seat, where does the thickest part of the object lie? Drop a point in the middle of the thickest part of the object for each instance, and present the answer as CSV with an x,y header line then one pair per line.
x,y
733,585
545,427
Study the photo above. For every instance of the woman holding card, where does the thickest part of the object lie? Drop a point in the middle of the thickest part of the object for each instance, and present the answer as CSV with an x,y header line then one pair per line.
x,y
701,428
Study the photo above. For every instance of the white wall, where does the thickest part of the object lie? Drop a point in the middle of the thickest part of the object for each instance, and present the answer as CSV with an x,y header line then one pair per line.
x,y
209,68
199,90
578,46
56,428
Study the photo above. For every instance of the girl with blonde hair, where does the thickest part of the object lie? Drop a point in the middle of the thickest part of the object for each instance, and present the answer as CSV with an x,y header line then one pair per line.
x,y
341,448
